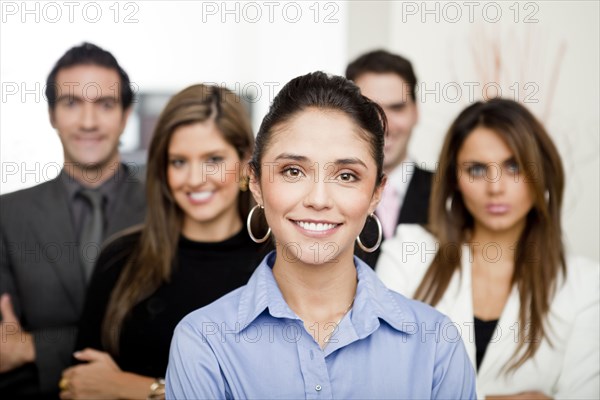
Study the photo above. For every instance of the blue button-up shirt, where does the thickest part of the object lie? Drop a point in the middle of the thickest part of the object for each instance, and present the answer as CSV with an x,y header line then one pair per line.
x,y
250,344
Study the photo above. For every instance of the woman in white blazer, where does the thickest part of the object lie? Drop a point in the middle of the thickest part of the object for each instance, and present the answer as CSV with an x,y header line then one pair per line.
x,y
492,259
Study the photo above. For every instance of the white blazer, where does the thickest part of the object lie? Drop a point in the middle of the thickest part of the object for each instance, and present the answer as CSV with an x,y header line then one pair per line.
x,y
567,368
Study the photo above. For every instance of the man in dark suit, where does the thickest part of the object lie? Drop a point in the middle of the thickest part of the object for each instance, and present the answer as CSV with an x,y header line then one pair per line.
x,y
50,234
389,80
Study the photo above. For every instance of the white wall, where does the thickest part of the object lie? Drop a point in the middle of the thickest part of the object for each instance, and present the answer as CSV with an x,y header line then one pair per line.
x,y
551,46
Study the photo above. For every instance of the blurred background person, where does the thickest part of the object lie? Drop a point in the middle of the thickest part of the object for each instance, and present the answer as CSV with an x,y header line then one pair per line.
x,y
390,81
495,262
50,234
192,249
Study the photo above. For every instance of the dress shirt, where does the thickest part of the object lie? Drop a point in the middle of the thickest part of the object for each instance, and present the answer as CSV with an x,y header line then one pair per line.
x,y
81,208
397,181
400,177
250,344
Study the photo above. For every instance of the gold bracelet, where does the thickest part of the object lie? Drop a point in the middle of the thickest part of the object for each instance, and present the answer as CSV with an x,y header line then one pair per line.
x,y
157,390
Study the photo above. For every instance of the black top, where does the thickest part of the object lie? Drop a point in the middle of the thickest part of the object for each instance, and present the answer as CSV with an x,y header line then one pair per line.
x,y
483,334
203,273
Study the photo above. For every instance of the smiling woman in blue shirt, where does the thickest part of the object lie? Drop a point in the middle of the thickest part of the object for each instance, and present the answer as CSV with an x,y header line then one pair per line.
x,y
314,321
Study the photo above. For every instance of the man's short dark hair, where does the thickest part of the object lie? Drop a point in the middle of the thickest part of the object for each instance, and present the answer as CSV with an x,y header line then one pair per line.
x,y
381,62
89,54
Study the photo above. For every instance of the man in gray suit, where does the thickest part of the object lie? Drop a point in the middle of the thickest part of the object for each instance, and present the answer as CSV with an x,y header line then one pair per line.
x,y
50,234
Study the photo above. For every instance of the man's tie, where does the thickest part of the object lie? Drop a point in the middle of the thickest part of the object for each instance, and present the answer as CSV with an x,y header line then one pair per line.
x,y
91,232
388,210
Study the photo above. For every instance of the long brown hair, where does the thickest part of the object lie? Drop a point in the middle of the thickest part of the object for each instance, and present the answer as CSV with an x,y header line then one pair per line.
x,y
151,261
539,255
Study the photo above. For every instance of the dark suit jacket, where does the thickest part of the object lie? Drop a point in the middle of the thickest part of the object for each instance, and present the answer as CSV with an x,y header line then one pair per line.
x,y
414,210
40,268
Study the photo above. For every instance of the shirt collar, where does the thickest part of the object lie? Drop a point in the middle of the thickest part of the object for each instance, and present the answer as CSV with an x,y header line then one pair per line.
x,y
373,300
109,188
262,293
400,177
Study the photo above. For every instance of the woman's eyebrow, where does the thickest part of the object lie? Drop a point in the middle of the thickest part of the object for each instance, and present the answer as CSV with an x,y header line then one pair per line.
x,y
291,156
350,161
484,163
341,161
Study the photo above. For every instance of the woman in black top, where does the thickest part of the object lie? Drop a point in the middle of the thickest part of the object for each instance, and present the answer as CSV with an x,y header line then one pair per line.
x,y
191,250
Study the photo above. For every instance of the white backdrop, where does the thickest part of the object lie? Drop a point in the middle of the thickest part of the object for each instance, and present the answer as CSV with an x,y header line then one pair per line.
x,y
544,53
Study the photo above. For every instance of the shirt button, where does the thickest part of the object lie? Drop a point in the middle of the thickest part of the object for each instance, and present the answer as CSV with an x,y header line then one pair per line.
x,y
318,388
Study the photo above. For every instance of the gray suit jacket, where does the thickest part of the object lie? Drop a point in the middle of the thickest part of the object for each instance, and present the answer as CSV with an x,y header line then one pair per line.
x,y
40,268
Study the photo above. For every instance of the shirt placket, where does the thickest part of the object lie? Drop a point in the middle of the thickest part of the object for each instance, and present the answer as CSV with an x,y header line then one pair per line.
x,y
317,384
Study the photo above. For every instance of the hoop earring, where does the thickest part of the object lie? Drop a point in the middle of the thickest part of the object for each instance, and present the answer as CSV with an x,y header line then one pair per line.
x,y
249,226
449,204
379,237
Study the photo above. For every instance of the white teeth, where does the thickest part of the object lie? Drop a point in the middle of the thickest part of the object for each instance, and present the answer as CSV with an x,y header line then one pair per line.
x,y
311,226
199,196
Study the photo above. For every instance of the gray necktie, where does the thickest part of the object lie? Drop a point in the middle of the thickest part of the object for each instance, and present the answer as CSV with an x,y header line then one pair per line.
x,y
91,232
